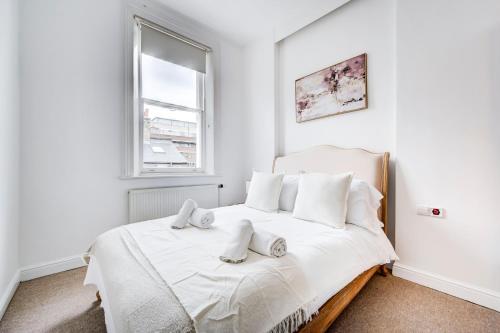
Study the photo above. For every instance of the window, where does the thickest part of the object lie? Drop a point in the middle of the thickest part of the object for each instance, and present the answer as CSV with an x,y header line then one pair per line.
x,y
171,75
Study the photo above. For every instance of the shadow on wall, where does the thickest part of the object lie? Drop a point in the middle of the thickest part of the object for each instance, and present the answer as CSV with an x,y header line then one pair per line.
x,y
391,207
495,84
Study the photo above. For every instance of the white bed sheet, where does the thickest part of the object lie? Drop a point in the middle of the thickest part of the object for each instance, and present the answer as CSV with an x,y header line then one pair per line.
x,y
330,258
94,277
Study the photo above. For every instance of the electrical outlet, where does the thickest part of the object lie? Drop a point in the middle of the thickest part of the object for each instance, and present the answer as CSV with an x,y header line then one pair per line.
x,y
431,211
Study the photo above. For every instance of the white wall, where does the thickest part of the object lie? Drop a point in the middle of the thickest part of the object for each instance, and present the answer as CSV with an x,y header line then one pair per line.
x,y
260,116
323,43
360,26
72,79
9,145
448,138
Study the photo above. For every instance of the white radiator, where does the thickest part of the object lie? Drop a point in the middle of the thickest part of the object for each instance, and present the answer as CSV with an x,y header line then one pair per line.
x,y
153,203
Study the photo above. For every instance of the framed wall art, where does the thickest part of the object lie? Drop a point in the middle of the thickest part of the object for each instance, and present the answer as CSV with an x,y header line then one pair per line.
x,y
334,90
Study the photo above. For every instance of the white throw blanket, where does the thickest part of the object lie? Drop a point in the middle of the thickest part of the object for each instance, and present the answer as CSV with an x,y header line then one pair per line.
x,y
202,218
259,295
237,247
267,243
185,212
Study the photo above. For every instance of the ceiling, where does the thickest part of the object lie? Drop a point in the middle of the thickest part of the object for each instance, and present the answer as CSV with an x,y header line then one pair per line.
x,y
243,21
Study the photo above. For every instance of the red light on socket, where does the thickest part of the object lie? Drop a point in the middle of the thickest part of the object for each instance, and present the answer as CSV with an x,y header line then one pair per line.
x,y
436,211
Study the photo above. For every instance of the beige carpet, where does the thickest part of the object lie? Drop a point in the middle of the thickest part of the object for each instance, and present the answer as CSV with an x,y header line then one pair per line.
x,y
59,303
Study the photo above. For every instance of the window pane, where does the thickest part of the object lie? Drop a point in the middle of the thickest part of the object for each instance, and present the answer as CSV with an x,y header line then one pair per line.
x,y
170,138
166,82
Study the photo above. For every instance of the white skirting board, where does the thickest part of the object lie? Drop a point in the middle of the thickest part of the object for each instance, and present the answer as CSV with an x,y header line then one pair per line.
x,y
484,297
56,266
9,293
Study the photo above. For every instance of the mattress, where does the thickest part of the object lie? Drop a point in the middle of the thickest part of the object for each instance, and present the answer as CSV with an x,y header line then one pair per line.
x,y
142,301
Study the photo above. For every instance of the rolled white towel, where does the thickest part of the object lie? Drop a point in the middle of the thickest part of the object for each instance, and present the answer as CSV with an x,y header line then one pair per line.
x,y
237,248
267,243
185,212
202,218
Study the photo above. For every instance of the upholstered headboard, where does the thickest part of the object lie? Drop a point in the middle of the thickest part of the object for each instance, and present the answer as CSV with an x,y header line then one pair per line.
x,y
371,167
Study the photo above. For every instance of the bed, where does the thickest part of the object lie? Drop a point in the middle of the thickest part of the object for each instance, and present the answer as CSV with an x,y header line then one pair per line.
x,y
334,264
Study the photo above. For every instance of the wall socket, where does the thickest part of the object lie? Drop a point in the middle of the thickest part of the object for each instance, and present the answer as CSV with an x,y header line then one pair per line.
x,y
431,211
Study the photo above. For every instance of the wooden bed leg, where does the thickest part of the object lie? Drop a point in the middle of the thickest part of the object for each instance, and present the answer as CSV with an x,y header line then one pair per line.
x,y
98,296
383,270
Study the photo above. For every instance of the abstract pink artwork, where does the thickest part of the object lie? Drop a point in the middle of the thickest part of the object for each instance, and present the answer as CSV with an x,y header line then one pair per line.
x,y
334,90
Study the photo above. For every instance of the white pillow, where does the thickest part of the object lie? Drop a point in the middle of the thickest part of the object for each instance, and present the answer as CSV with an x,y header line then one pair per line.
x,y
362,205
322,198
288,193
264,191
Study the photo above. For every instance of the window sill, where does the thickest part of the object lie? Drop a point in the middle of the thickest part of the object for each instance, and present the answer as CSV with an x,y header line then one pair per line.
x,y
171,175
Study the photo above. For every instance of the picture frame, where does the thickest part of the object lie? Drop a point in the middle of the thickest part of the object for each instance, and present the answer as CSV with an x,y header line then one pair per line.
x,y
334,90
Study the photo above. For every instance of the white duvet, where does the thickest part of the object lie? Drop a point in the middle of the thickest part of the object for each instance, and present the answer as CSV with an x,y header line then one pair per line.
x,y
252,296
329,258
320,262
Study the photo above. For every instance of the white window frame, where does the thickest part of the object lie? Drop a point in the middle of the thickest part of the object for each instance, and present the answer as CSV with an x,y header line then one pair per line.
x,y
134,115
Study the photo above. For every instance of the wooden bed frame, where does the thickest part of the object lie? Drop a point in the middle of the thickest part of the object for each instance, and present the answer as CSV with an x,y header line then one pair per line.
x,y
376,172
315,160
